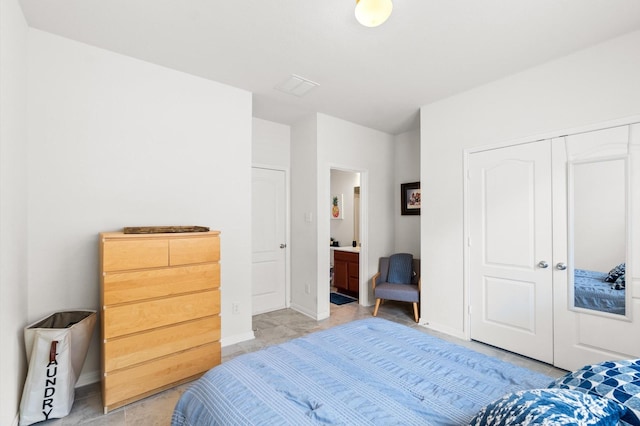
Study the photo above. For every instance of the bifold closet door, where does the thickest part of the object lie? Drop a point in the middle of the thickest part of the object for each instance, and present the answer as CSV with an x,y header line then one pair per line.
x,y
510,277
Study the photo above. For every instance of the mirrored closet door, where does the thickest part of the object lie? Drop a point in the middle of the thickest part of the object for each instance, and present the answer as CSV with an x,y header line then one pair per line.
x,y
593,306
549,246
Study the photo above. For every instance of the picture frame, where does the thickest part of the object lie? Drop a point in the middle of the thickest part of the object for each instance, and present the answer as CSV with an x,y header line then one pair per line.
x,y
337,207
410,198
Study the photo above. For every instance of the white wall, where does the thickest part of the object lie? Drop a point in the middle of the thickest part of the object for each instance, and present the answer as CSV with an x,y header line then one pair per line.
x,y
587,87
348,146
271,143
13,206
304,219
117,142
407,169
343,182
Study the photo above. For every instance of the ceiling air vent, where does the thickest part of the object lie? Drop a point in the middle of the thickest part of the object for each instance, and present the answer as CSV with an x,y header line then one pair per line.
x,y
296,85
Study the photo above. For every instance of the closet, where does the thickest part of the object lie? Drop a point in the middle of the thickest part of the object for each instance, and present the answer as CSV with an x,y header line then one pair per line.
x,y
546,222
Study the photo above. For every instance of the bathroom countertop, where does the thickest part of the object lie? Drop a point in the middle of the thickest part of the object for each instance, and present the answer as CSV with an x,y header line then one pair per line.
x,y
346,248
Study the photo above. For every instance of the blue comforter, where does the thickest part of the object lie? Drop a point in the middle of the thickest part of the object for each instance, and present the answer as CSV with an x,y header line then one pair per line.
x,y
592,292
370,371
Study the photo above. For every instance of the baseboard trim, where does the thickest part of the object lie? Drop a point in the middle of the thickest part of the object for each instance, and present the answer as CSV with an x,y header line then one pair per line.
x,y
88,378
305,311
238,338
443,329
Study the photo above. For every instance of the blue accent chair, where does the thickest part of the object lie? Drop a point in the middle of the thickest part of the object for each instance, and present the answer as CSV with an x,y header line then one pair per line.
x,y
389,283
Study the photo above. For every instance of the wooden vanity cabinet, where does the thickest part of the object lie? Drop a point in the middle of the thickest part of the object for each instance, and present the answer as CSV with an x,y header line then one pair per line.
x,y
346,272
160,312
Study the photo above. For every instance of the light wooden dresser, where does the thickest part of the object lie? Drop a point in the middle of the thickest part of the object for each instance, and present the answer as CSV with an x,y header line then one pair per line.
x,y
160,299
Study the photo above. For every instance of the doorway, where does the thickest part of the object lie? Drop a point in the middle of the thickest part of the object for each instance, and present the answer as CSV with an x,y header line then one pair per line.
x,y
345,238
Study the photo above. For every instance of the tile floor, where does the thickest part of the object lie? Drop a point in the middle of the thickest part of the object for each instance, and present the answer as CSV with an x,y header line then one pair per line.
x,y
271,328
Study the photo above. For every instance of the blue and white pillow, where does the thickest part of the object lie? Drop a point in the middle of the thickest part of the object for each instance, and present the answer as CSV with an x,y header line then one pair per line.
x,y
550,407
615,273
619,284
615,380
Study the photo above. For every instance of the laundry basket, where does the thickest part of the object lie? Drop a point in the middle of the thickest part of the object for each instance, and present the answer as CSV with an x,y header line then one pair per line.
x,y
56,348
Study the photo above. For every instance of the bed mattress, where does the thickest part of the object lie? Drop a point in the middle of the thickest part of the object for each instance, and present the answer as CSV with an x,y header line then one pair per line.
x,y
371,371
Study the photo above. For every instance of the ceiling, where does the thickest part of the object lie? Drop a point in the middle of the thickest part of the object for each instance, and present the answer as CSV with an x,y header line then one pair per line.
x,y
377,77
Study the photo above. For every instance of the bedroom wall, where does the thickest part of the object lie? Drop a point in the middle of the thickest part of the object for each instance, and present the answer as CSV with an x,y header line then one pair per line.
x,y
348,146
407,169
304,230
13,206
115,142
590,86
271,143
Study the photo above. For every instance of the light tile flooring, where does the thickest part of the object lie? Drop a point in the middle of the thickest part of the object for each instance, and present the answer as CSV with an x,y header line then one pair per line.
x,y
271,328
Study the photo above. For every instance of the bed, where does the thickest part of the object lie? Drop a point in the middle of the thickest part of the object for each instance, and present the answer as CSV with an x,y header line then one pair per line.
x,y
370,371
592,292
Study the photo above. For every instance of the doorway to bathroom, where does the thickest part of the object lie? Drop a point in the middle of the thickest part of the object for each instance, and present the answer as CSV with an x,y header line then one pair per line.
x,y
344,240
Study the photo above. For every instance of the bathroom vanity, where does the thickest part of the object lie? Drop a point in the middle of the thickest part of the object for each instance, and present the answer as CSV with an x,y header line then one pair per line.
x,y
346,270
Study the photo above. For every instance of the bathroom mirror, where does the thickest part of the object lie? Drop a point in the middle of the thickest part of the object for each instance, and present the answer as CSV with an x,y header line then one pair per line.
x,y
598,230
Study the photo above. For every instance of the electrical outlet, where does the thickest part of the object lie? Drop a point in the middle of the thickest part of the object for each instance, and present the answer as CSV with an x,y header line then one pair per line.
x,y
307,288
235,308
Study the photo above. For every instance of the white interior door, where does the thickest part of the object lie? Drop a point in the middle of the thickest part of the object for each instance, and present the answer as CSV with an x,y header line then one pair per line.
x,y
510,277
269,240
589,336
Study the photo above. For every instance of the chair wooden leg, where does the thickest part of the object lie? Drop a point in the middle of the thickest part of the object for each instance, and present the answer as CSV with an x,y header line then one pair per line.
x,y
375,310
415,311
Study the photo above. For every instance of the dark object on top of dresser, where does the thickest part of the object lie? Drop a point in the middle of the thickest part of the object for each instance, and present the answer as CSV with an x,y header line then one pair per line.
x,y
163,229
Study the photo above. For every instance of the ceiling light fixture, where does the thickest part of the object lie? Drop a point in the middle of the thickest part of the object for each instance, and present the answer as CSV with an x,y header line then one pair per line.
x,y
372,13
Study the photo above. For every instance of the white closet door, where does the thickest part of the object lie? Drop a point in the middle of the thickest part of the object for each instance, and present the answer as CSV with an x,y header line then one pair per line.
x,y
511,303
588,336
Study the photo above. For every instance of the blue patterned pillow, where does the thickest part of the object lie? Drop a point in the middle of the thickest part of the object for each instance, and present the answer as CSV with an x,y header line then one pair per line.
x,y
615,273
550,407
400,268
620,283
616,380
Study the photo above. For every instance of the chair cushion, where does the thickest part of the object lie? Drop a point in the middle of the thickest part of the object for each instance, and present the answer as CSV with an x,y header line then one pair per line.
x,y
400,292
400,268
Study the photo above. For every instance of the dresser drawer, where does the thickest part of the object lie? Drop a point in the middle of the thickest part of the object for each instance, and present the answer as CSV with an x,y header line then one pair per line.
x,y
122,255
122,287
134,349
135,317
185,251
122,386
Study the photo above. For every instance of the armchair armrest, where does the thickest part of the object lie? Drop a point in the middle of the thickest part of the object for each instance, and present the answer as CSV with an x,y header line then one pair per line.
x,y
374,279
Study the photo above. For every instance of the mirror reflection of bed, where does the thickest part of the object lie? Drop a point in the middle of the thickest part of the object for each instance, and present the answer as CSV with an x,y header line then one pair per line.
x,y
598,212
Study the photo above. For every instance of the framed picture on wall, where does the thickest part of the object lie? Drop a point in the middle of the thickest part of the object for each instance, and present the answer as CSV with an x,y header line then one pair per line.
x,y
336,207
410,198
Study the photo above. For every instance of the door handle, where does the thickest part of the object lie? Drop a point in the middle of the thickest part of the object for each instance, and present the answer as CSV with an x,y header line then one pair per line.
x,y
543,264
283,245
561,266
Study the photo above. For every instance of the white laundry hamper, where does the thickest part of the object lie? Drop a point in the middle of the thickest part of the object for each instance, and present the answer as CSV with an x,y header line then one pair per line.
x,y
56,348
